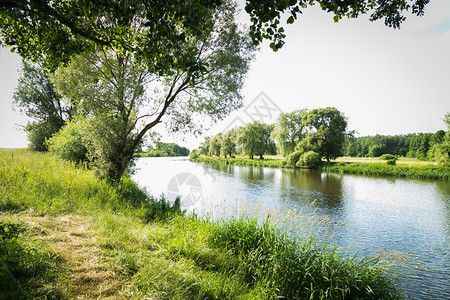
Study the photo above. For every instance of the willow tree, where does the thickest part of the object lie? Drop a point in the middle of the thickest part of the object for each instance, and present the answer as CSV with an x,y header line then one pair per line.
x,y
121,100
289,130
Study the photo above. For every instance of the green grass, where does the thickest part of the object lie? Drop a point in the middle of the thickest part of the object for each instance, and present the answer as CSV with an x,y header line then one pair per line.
x,y
270,163
94,240
382,169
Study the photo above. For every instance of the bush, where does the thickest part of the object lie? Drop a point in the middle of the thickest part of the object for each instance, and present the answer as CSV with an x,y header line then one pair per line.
x,y
388,157
68,143
22,264
38,133
194,154
391,162
309,159
292,159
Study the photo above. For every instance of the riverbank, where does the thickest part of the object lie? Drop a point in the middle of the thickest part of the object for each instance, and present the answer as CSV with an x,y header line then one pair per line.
x,y
71,235
373,167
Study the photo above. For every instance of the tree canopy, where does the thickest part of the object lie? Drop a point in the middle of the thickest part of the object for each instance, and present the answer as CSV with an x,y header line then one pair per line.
x,y
158,32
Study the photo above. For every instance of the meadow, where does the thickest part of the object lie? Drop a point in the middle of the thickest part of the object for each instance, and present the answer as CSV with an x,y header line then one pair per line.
x,y
66,234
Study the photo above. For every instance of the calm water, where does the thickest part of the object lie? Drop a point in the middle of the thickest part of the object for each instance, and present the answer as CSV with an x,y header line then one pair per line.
x,y
366,213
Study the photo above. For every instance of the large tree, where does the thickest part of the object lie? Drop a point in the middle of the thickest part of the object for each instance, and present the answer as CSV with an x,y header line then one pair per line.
x,y
328,129
254,139
122,100
289,130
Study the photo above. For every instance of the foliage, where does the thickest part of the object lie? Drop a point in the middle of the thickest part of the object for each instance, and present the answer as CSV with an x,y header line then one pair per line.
x,y
267,15
289,131
270,163
23,265
382,169
388,157
124,100
194,154
292,159
229,140
309,159
165,149
35,95
328,131
388,144
254,139
157,35
68,142
38,133
215,145
376,150
391,162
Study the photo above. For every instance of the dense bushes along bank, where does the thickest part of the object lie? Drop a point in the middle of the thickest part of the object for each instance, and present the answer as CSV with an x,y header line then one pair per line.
x,y
372,168
52,211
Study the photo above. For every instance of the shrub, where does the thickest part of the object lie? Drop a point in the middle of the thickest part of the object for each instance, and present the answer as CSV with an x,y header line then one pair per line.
x,y
391,162
68,143
292,159
194,154
38,133
388,157
22,264
309,159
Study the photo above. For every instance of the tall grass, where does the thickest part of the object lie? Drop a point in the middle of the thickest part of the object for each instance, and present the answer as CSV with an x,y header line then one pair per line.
x,y
163,254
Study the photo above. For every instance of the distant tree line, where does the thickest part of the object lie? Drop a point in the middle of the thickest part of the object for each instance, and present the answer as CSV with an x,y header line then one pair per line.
x,y
423,146
165,149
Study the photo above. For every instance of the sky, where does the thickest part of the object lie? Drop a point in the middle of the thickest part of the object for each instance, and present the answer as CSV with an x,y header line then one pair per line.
x,y
386,81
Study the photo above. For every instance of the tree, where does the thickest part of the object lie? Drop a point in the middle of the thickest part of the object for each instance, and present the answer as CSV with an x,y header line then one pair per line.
x,y
289,131
110,88
266,15
229,143
204,147
328,131
35,95
215,145
255,139
157,32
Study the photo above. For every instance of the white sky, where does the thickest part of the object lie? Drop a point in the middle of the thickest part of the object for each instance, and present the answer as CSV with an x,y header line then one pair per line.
x,y
384,80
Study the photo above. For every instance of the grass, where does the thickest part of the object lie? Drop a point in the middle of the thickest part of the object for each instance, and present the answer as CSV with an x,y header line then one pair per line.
x,y
382,169
74,236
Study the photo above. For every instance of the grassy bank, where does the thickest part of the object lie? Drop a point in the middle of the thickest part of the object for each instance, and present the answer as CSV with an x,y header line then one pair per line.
x,y
382,169
65,235
239,161
362,166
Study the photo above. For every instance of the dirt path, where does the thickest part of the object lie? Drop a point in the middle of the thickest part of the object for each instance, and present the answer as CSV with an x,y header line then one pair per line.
x,y
88,273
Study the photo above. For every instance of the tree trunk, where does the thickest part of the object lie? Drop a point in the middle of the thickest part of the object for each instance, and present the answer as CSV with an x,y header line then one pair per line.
x,y
261,156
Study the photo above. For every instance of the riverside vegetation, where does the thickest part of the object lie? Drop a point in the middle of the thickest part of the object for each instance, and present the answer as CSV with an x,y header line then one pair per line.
x,y
409,170
67,234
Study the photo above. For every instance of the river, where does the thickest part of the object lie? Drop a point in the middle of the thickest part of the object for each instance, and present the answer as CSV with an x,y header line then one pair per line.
x,y
405,217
